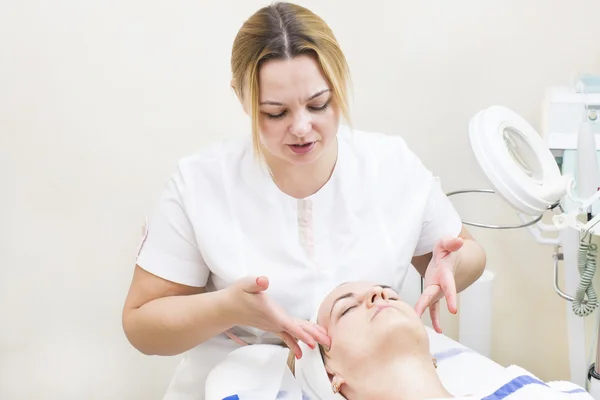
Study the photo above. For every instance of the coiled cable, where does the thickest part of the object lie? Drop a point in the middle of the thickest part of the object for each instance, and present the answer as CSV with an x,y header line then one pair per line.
x,y
586,263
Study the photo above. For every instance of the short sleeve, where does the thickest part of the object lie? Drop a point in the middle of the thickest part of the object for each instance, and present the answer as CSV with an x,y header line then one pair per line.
x,y
440,219
169,249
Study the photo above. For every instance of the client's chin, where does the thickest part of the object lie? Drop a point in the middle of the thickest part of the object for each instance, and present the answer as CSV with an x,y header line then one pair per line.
x,y
394,328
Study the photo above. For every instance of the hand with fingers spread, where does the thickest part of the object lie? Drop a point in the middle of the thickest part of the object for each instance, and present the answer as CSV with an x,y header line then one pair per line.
x,y
255,308
439,281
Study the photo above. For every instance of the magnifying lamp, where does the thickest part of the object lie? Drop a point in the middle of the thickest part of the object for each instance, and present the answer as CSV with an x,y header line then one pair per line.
x,y
522,169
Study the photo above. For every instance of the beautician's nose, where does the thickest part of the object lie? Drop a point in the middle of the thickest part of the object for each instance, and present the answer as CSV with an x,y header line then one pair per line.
x,y
374,295
301,125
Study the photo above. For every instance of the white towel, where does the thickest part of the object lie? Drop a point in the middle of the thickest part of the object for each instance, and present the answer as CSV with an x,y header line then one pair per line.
x,y
516,383
256,372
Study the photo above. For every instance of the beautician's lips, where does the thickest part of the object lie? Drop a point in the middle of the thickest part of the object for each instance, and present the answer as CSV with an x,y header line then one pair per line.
x,y
302,148
303,143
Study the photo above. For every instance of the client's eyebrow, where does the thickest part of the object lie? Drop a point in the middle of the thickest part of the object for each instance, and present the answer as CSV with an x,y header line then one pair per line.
x,y
342,297
347,295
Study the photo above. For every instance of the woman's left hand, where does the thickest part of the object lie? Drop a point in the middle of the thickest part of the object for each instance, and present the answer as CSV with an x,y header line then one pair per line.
x,y
439,280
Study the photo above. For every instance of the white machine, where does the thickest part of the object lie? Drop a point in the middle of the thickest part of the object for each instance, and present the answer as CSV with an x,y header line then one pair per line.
x,y
557,172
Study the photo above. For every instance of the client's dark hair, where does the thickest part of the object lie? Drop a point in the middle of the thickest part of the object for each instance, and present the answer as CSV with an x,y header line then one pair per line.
x,y
291,361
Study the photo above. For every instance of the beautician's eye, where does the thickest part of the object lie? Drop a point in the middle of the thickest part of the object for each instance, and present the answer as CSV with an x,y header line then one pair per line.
x,y
277,116
319,108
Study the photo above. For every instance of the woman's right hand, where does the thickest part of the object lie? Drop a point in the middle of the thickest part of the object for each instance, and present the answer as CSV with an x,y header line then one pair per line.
x,y
255,308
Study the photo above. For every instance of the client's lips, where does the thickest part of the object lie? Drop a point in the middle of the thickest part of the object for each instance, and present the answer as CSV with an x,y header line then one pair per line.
x,y
379,309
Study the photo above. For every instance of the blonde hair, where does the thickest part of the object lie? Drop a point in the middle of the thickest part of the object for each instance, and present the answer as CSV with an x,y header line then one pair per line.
x,y
284,31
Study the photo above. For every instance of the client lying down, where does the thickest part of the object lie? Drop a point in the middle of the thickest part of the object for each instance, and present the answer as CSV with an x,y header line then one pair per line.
x,y
380,350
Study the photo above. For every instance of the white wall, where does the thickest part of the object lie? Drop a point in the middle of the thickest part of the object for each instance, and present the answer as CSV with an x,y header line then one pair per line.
x,y
99,99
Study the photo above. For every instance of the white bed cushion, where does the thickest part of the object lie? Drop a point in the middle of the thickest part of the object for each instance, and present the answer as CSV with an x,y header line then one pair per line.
x,y
461,370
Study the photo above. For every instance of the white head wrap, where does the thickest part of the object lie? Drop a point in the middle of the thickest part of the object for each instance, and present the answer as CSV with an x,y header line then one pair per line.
x,y
254,372
260,372
311,374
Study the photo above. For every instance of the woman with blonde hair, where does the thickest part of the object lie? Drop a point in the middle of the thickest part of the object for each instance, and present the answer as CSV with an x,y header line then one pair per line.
x,y
246,229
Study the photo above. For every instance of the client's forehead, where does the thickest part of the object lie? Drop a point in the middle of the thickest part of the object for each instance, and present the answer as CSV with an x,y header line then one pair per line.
x,y
351,287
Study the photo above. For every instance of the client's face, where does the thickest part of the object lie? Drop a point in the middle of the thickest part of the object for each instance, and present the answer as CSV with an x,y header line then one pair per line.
x,y
367,324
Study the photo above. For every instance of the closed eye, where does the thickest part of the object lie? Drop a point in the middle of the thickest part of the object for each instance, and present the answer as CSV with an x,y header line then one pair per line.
x,y
354,306
346,310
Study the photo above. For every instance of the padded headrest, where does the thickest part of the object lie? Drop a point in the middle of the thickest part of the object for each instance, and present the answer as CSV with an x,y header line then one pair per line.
x,y
260,371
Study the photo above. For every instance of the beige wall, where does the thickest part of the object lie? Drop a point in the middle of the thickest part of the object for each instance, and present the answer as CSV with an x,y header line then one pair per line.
x,y
99,99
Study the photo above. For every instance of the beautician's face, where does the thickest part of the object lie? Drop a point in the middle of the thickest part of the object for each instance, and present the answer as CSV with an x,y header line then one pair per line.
x,y
299,117
366,322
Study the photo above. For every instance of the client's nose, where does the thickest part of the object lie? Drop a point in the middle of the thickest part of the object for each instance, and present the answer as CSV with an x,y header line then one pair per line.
x,y
374,295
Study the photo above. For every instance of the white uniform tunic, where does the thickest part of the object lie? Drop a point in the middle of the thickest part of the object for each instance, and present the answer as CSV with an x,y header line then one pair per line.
x,y
221,217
